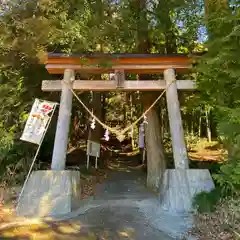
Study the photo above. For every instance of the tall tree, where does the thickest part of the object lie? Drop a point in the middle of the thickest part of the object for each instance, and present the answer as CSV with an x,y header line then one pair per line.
x,y
218,79
155,152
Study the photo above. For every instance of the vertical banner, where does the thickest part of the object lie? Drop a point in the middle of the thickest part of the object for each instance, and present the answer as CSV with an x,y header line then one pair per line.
x,y
38,120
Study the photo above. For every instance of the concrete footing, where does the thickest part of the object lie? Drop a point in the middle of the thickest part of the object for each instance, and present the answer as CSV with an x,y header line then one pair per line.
x,y
50,193
181,185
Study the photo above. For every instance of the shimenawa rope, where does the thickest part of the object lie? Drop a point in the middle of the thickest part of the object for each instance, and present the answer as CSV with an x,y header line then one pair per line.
x,y
119,134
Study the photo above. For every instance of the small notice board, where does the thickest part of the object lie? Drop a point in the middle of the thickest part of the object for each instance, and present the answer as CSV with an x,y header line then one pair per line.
x,y
93,149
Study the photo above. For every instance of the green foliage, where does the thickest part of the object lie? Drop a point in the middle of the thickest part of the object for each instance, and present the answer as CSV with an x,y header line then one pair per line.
x,y
218,78
207,201
14,157
6,141
228,177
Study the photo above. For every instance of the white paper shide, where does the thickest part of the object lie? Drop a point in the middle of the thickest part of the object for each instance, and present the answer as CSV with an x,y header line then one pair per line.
x,y
38,120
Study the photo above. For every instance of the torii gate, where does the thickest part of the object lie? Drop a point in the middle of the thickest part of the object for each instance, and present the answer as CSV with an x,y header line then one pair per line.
x,y
120,63
190,181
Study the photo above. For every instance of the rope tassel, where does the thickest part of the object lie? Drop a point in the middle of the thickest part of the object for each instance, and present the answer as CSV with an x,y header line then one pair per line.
x,y
93,124
145,119
106,135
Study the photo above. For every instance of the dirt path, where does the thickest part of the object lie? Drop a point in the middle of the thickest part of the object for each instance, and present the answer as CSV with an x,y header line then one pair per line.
x,y
114,213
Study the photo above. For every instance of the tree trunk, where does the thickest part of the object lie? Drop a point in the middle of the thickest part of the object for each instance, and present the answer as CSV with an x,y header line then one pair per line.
x,y
156,163
199,126
125,110
155,154
192,124
188,122
103,110
131,116
170,42
95,134
208,125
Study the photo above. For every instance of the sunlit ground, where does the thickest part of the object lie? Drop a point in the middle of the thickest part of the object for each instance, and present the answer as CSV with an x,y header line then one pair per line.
x,y
13,227
207,151
116,167
37,229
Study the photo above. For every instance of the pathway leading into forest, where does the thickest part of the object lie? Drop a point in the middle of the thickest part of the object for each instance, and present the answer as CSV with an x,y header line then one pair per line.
x,y
122,208
115,213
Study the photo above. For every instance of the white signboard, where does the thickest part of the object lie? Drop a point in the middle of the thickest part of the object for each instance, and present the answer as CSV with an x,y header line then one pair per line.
x,y
38,121
93,149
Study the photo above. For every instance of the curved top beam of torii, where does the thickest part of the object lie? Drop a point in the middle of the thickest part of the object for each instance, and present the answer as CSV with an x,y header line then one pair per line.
x,y
56,63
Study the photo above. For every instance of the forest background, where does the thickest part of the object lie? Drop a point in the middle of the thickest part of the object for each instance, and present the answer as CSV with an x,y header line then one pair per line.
x,y
211,116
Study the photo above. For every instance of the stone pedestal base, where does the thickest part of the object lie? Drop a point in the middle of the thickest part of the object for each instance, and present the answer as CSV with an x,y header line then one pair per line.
x,y
181,185
50,193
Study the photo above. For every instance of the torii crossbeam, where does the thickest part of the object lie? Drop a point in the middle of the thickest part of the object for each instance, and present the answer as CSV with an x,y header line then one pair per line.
x,y
117,63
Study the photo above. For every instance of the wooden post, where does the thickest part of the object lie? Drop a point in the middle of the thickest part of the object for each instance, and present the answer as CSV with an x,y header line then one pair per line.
x,y
63,124
175,122
88,158
119,78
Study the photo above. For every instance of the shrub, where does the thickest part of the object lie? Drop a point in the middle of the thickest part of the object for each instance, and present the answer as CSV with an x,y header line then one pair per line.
x,y
229,177
205,202
15,157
